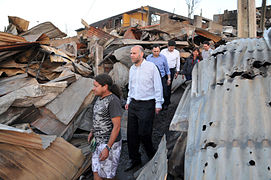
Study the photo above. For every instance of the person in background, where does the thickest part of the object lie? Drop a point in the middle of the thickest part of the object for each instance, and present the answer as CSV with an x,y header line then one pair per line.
x,y
207,51
190,63
161,62
107,114
173,59
145,98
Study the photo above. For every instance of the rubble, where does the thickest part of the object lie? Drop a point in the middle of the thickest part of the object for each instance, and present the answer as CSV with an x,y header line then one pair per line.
x,y
46,85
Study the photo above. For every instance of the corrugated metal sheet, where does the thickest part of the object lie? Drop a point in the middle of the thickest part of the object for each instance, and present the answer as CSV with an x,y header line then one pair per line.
x,y
230,115
6,38
23,138
156,168
60,160
44,28
92,31
179,121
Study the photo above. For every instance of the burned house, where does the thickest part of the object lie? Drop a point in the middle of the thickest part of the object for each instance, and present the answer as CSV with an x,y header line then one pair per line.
x,y
229,18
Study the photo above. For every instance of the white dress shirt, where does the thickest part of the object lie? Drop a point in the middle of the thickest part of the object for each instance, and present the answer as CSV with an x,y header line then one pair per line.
x,y
145,83
206,54
173,58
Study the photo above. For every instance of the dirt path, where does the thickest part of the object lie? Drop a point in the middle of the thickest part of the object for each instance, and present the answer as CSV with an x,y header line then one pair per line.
x,y
160,127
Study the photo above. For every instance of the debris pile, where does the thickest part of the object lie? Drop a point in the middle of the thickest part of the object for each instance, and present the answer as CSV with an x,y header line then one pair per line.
x,y
46,86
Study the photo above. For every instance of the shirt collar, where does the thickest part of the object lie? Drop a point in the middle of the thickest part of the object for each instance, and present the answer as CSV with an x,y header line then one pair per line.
x,y
155,57
134,66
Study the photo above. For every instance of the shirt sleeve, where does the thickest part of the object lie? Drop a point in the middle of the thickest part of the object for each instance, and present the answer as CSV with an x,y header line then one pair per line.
x,y
178,60
129,88
148,58
166,66
114,108
158,89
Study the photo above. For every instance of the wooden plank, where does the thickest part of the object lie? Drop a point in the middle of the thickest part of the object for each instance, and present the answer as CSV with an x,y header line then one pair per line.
x,y
138,42
98,59
66,105
263,14
85,23
208,34
246,19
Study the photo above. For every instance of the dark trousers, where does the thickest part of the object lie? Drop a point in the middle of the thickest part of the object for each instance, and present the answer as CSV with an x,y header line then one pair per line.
x,y
140,120
165,88
168,95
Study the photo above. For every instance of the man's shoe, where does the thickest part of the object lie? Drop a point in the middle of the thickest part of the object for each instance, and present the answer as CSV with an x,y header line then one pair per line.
x,y
132,165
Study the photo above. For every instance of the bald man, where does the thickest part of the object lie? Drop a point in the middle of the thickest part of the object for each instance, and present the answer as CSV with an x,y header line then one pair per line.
x,y
145,98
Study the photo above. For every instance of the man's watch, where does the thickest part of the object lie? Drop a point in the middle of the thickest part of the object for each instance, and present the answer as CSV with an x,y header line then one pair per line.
x,y
108,148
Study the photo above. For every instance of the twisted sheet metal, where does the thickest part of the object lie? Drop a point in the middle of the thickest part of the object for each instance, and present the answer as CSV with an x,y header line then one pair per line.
x,y
230,114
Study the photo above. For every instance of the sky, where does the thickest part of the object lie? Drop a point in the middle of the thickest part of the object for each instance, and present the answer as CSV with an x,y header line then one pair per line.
x,y
67,14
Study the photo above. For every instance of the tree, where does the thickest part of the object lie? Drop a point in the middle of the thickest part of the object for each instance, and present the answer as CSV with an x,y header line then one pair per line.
x,y
191,4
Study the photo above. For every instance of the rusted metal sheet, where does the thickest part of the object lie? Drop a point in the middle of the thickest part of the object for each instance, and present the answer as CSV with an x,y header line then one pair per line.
x,y
76,93
24,138
6,38
229,121
92,31
47,123
12,64
12,72
44,28
60,160
208,34
21,24
132,33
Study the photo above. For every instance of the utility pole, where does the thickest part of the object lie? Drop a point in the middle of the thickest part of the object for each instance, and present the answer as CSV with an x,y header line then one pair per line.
x,y
263,12
246,23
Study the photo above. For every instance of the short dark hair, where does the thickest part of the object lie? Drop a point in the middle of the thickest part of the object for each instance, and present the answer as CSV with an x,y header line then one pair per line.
x,y
105,79
171,43
155,46
206,42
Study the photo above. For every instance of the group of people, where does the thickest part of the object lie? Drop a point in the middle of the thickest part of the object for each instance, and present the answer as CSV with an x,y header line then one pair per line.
x,y
149,92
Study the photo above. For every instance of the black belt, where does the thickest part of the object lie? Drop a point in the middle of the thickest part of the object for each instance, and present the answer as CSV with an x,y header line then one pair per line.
x,y
142,100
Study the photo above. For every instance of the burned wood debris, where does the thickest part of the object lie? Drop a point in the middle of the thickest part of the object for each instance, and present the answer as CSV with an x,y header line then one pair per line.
x,y
46,84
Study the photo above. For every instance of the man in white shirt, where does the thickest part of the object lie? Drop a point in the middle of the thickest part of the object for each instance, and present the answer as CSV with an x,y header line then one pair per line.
x,y
145,98
173,59
207,51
